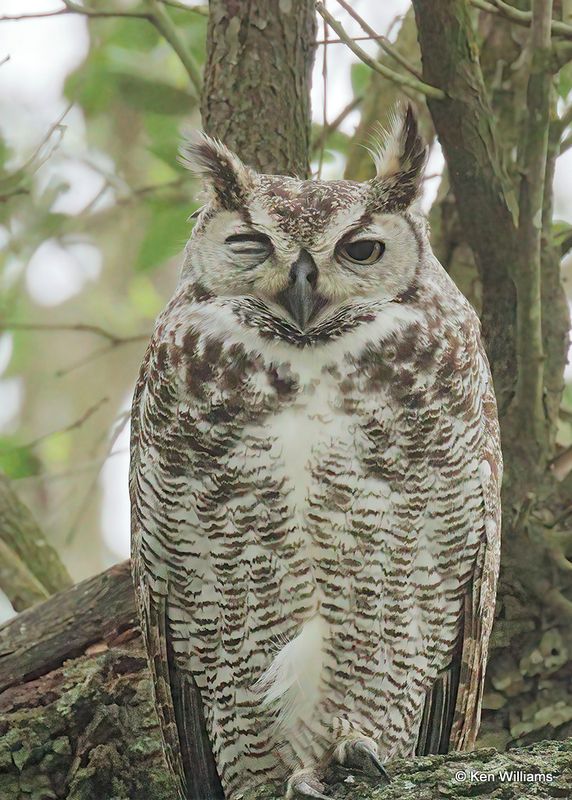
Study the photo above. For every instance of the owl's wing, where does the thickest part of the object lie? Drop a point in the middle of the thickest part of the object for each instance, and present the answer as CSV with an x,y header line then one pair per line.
x,y
452,712
177,698
480,599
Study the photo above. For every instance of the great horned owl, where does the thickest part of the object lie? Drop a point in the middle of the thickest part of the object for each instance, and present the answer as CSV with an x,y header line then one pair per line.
x,y
314,482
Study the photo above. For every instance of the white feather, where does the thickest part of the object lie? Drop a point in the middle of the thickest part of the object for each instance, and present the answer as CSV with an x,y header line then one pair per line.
x,y
293,678
387,145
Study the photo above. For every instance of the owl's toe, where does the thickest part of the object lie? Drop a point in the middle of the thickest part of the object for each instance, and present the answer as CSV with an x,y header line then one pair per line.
x,y
360,753
305,785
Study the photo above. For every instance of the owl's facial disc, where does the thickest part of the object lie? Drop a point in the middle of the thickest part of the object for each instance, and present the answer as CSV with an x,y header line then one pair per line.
x,y
300,298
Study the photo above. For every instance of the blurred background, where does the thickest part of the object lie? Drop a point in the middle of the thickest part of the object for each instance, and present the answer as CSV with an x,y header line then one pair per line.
x,y
93,218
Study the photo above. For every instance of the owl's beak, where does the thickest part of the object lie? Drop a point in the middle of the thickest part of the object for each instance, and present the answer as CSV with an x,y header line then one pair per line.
x,y
299,299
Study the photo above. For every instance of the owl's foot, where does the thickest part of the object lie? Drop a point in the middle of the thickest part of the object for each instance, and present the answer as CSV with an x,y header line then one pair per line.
x,y
305,785
353,753
360,753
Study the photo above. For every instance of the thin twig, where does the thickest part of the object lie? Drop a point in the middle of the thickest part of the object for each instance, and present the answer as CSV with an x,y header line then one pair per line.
x,y
202,10
566,144
73,426
383,42
353,38
158,17
78,327
325,93
39,15
402,80
123,419
95,354
76,8
333,126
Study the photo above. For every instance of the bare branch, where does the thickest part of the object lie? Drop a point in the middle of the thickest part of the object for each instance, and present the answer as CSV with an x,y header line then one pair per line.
x,y
163,23
403,80
353,38
333,126
38,15
384,43
73,426
523,18
79,327
122,421
77,8
202,10
158,17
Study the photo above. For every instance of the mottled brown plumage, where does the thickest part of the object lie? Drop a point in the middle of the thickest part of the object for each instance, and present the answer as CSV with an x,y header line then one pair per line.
x,y
315,482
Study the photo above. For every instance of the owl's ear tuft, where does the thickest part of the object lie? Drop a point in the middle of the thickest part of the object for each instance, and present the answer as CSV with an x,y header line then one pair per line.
x,y
227,180
399,159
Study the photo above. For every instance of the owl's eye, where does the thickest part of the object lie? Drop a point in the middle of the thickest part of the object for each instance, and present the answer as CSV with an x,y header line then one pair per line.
x,y
253,248
245,242
364,251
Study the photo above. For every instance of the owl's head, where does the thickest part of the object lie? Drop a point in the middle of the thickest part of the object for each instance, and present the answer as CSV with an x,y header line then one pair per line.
x,y
303,247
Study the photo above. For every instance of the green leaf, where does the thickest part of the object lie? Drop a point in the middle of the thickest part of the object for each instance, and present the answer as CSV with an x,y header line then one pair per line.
x,y
92,85
132,34
16,461
565,81
152,96
166,235
360,77
164,132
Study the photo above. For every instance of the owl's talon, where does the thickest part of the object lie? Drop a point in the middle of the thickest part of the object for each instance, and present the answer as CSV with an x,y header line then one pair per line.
x,y
305,785
361,754
304,789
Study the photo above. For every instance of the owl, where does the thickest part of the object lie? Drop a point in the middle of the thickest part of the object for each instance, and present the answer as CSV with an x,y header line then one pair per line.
x,y
315,472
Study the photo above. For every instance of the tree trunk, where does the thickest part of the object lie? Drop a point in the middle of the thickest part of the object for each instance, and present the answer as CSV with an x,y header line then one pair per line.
x,y
529,690
256,96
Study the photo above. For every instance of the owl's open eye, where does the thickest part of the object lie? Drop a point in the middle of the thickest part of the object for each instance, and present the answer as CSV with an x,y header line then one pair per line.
x,y
254,247
364,251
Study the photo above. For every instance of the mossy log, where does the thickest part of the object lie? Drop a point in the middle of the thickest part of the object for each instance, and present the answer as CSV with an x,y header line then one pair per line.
x,y
77,718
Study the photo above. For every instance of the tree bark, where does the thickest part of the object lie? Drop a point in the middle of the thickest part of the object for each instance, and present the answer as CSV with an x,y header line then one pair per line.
x,y
256,95
77,719
30,569
480,125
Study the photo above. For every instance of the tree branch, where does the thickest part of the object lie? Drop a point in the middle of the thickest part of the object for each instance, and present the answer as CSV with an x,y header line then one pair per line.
x,y
163,23
76,8
79,327
523,18
407,81
384,43
202,10
158,17
30,569
533,159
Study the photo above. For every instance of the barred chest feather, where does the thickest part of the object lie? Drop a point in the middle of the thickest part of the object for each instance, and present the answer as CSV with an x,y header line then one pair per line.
x,y
333,507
